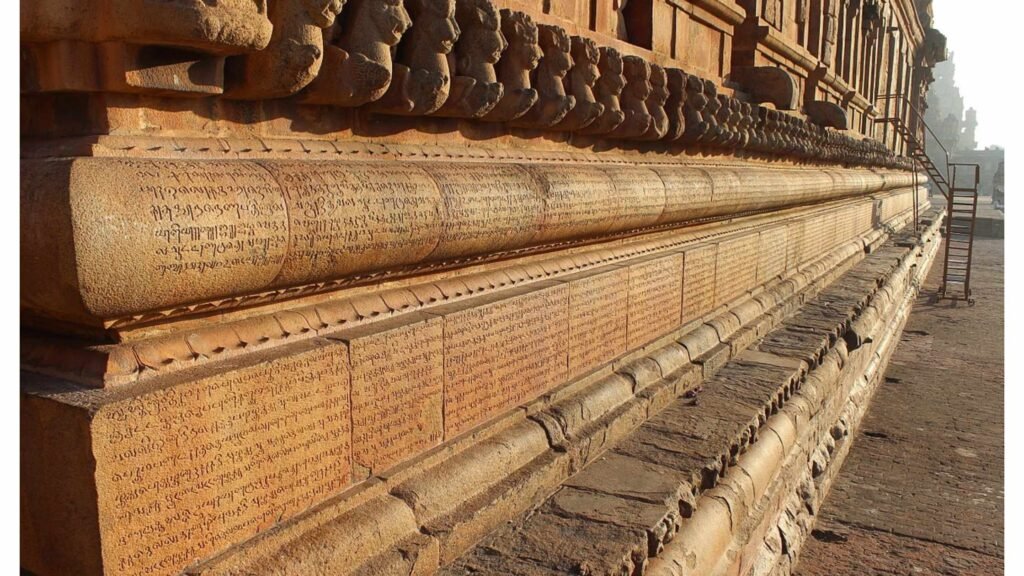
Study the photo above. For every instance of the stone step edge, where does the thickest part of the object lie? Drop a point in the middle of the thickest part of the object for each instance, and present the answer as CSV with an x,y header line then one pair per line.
x,y
710,541
796,515
657,535
631,395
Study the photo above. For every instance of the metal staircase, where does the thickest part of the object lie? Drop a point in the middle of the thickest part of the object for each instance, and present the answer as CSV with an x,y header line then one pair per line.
x,y
961,198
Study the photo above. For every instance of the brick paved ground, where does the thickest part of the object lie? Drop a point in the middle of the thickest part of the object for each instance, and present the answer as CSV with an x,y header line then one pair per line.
x,y
922,489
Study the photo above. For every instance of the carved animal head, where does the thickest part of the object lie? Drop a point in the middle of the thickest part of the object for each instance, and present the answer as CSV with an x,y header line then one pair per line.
x,y
523,38
638,76
479,19
438,16
611,79
694,85
322,12
555,43
586,57
390,19
659,85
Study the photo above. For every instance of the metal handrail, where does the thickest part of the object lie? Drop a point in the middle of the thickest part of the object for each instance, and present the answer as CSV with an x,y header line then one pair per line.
x,y
920,119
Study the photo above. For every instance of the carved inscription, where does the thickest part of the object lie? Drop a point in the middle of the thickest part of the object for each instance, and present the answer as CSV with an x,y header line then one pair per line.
x,y
187,470
579,200
488,207
772,261
687,194
206,228
352,217
642,191
811,241
759,189
795,244
846,222
736,270
597,319
502,354
397,385
699,281
729,194
830,230
655,298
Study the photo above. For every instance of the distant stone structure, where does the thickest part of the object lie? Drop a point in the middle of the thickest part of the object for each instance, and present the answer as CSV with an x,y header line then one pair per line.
x,y
336,287
955,128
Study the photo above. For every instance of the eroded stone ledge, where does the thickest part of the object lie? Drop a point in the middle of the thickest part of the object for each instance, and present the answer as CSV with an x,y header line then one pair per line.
x,y
761,532
615,530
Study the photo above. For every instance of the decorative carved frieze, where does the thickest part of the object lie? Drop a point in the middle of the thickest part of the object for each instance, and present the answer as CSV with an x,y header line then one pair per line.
x,y
448,58
580,84
294,55
548,78
634,99
608,89
656,104
675,106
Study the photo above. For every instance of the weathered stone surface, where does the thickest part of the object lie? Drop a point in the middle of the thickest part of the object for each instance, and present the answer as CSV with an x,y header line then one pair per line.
x,y
397,390
736,268
699,281
204,461
342,286
655,299
597,319
500,355
730,443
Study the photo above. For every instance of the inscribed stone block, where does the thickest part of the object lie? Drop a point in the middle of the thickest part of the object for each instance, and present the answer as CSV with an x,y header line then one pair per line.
x,y
655,298
772,260
188,469
597,319
699,281
736,270
397,386
503,353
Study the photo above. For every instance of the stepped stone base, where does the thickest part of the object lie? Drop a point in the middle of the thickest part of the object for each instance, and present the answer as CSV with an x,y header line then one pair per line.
x,y
727,478
405,442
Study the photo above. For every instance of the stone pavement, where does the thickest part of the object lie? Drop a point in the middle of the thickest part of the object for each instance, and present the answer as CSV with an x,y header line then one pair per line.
x,y
922,489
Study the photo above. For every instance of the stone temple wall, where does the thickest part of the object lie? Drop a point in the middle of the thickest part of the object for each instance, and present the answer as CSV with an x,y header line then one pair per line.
x,y
343,286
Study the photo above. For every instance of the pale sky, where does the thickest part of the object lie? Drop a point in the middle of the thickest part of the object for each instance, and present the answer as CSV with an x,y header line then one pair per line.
x,y
986,37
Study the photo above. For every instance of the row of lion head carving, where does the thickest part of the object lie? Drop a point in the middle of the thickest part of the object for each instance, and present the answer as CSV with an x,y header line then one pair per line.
x,y
467,59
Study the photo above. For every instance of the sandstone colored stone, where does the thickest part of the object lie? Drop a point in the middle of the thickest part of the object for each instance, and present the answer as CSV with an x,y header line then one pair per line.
x,y
202,461
655,299
397,390
699,282
597,319
502,354
736,268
